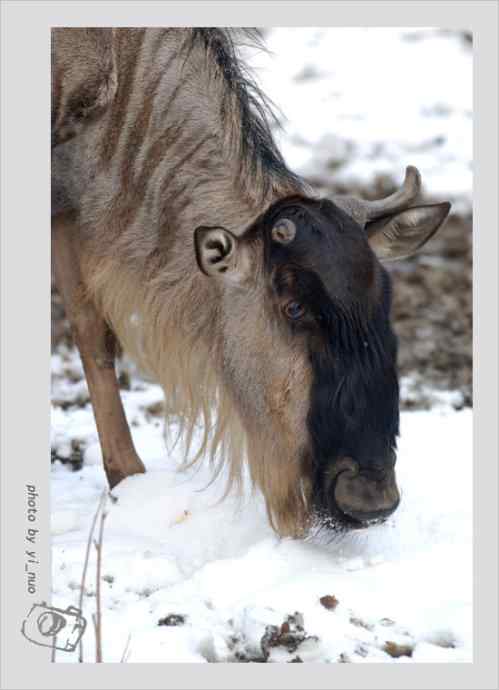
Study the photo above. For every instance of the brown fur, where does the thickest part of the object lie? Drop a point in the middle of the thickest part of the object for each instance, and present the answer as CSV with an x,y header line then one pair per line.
x,y
164,163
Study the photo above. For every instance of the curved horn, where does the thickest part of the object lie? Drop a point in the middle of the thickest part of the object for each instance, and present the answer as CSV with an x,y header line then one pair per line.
x,y
364,211
399,200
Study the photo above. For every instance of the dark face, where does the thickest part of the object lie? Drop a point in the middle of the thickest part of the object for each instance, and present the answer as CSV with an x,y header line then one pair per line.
x,y
309,355
332,294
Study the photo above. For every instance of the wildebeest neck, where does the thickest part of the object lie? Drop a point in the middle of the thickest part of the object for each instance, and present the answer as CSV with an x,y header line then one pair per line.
x,y
187,139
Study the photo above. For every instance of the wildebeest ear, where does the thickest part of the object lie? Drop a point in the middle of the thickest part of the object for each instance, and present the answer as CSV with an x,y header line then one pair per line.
x,y
220,253
401,234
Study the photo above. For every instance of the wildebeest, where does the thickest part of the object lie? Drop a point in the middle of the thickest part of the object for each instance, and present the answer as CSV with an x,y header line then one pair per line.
x,y
179,234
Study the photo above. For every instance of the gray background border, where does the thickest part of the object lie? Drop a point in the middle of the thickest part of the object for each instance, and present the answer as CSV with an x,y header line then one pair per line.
x,y
25,332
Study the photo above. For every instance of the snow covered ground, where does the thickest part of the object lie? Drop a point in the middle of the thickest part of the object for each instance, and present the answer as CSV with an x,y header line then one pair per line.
x,y
365,102
359,103
170,548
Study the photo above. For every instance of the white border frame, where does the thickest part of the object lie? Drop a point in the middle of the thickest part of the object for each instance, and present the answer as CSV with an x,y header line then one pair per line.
x,y
25,332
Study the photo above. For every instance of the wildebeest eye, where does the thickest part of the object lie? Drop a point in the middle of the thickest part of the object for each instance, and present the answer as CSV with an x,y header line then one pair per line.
x,y
294,310
284,231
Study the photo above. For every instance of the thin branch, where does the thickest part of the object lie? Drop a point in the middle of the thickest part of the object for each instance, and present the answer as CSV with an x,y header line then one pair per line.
x,y
85,565
126,651
98,617
94,621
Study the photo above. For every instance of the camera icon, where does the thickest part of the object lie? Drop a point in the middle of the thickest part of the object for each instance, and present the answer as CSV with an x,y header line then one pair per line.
x,y
48,626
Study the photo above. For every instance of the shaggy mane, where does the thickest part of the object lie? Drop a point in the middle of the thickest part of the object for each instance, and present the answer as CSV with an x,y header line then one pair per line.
x,y
254,110
169,347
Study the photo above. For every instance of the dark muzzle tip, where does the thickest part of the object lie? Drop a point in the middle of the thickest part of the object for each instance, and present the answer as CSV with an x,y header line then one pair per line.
x,y
372,516
364,499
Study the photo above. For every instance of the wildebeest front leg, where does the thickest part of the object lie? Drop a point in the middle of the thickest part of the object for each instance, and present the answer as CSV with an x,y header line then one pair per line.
x,y
97,345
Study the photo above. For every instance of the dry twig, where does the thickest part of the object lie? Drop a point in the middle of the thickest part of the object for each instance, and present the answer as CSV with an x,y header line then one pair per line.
x,y
85,564
97,618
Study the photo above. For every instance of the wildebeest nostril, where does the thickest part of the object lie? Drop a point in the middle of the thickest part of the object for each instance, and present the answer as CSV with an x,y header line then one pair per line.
x,y
363,497
345,465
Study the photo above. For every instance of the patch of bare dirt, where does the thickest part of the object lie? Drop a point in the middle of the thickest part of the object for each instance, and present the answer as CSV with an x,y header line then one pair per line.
x,y
433,311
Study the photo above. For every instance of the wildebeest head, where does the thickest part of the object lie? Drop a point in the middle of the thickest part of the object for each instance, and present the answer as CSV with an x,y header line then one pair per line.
x,y
309,354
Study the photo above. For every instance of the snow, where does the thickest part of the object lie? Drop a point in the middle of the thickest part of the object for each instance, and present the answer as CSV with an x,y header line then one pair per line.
x,y
171,547
363,102
360,103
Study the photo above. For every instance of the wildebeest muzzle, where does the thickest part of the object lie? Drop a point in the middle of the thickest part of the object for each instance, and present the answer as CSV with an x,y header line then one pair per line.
x,y
360,494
